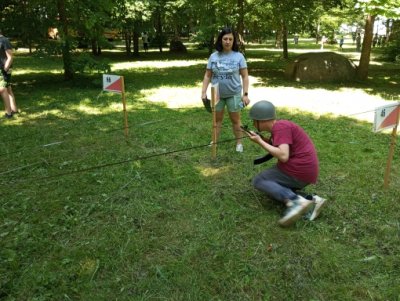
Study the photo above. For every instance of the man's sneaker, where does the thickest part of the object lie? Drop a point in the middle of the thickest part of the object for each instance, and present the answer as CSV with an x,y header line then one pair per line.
x,y
318,204
295,211
8,116
239,148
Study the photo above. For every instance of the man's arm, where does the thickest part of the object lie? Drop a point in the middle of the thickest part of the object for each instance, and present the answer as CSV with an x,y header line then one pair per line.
x,y
9,60
280,152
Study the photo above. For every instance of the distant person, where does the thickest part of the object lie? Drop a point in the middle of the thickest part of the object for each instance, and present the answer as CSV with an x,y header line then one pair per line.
x,y
375,40
382,40
354,36
227,67
296,39
297,164
145,39
6,60
324,39
341,42
358,42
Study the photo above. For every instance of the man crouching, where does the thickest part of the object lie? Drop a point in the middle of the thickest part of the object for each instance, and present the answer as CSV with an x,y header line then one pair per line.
x,y
297,164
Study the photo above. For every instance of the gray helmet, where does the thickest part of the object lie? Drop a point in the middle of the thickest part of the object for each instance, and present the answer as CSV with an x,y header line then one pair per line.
x,y
262,110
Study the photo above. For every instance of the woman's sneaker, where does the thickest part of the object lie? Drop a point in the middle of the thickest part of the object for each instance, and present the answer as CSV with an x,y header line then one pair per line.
x,y
239,148
319,203
295,211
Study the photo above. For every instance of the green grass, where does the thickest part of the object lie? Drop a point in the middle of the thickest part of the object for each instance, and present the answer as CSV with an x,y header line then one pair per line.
x,y
181,226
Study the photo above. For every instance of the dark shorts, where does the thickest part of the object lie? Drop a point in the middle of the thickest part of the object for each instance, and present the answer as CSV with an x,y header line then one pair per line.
x,y
5,79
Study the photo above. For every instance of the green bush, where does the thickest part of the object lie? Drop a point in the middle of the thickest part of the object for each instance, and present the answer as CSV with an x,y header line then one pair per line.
x,y
392,49
86,63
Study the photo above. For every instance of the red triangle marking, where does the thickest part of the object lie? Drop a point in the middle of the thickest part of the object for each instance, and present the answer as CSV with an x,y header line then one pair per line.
x,y
391,119
115,86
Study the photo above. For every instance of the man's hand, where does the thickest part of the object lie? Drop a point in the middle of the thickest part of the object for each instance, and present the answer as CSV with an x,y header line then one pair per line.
x,y
255,137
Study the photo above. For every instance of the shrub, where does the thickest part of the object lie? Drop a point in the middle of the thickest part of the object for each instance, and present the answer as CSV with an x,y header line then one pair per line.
x,y
86,63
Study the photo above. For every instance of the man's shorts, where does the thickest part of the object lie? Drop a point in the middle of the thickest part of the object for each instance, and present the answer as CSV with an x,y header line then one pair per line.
x,y
232,103
5,79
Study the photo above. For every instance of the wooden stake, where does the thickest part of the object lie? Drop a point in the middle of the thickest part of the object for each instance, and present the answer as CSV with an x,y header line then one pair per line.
x,y
124,107
214,127
391,153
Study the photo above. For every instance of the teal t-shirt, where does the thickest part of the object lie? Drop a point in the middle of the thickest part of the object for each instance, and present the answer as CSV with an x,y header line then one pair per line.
x,y
225,69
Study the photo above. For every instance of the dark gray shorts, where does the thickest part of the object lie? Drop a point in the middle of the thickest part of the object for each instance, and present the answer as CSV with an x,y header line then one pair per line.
x,y
5,79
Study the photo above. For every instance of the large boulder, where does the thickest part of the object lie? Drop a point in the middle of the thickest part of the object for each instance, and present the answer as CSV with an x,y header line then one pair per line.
x,y
177,46
321,66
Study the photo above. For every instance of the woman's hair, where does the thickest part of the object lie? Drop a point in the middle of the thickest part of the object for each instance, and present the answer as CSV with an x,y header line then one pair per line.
x,y
218,44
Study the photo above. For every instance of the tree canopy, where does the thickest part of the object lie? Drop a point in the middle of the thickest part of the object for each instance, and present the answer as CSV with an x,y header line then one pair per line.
x,y
85,22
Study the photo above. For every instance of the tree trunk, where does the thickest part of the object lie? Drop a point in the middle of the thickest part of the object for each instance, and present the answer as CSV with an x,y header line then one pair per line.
x,y
94,47
128,41
136,39
284,41
278,38
362,70
211,44
159,30
240,26
317,32
66,48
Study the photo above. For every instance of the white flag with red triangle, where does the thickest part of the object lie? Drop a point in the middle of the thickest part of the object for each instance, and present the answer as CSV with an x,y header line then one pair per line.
x,y
386,117
112,83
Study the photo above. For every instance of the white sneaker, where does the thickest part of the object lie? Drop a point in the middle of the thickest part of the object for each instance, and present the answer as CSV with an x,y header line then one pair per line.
x,y
295,211
319,203
239,148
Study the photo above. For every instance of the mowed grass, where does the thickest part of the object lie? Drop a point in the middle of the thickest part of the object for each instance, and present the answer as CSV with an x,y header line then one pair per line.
x,y
87,214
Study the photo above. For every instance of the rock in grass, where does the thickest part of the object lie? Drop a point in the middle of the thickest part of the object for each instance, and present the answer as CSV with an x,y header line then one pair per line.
x,y
321,67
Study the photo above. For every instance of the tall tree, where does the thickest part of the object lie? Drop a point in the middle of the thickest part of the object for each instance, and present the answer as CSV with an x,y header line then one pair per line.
x,y
17,17
130,17
66,48
373,8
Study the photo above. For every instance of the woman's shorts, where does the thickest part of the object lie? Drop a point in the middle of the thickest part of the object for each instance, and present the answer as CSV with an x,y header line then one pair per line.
x,y
233,104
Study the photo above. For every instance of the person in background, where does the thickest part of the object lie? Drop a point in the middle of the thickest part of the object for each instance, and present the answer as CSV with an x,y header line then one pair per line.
x,y
227,67
375,40
145,39
6,60
296,39
358,42
341,42
297,164
324,39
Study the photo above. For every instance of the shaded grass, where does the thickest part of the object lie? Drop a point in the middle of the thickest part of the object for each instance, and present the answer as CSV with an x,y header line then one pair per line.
x,y
181,226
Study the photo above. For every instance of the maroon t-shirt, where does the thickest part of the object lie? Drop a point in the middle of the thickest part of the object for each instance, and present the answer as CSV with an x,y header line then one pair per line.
x,y
303,160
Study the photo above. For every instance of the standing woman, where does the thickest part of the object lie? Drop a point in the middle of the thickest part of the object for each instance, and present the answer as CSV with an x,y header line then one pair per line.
x,y
228,67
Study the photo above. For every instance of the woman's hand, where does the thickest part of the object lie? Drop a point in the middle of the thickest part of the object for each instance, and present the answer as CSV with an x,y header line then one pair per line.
x,y
245,100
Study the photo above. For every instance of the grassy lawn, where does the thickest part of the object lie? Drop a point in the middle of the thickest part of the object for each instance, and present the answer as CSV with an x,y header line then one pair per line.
x,y
86,214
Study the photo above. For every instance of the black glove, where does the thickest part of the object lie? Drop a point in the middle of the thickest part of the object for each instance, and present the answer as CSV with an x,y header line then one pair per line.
x,y
207,104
